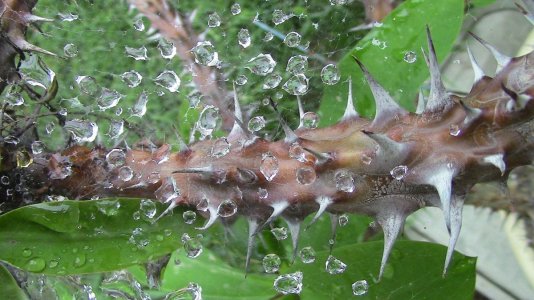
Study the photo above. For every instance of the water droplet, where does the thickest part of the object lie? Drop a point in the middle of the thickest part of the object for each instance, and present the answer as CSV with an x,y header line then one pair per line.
x,y
214,20
24,158
335,266
263,193
189,216
220,148
262,64
269,166
209,120
26,252
241,80
81,130
132,78
168,80
307,255
360,287
271,81
280,233
343,220
4,180
203,204
271,263
454,130
338,2
166,48
108,207
70,50
49,128
126,173
194,98
167,191
138,24
306,175
297,152
108,99
243,38
280,17
192,246
67,17
79,260
205,54
310,120
297,64
87,85
116,128
35,264
380,44
227,208
256,124
268,36
399,172
330,74
344,181
410,57
148,208
296,85
136,53
292,39
53,263
138,238
289,283
235,9
139,108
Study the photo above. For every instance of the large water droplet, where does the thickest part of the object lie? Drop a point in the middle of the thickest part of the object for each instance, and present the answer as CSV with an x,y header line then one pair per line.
x,y
344,181
138,238
138,24
209,120
169,80
289,283
139,108
132,78
235,9
410,57
269,166
280,17
35,264
306,175
192,246
70,50
310,120
268,36
271,81
37,147
205,54
296,85
87,85
108,99
256,124
116,158
297,64
243,38
214,20
136,53
271,263
189,216
227,208
168,190
297,152
126,173
360,287
166,48
279,233
292,39
399,172
262,64
343,220
116,128
82,130
220,148
330,74
334,265
148,208
307,255
108,207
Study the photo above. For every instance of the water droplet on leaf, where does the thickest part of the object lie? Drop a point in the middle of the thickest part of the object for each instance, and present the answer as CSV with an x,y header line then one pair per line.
x,y
209,120
296,85
360,287
168,80
136,53
335,266
70,50
192,246
205,54
297,64
410,57
108,99
279,233
243,38
330,74
189,216
131,78
108,207
272,81
35,264
214,20
148,208
138,24
292,39
289,283
235,9
81,130
307,255
271,263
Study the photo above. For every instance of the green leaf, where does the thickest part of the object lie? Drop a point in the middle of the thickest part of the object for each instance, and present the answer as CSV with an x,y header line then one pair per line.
x,y
75,237
9,286
382,51
413,271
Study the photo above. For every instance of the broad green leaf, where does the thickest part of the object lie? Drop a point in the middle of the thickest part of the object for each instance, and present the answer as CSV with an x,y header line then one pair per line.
x,y
413,272
75,237
383,49
8,285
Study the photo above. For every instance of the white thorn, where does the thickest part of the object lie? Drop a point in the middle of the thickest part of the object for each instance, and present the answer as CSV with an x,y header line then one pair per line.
x,y
457,203
323,204
439,99
301,112
33,18
391,225
350,110
479,73
496,160
169,209
294,230
25,46
442,180
502,60
252,227
237,132
278,208
213,217
421,103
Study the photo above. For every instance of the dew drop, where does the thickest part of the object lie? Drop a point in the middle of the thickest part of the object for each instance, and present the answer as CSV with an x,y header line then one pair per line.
x,y
4,180
280,17
343,220
166,48
243,38
167,191
227,208
306,175
131,78
241,80
203,204
169,80
81,130
194,98
335,266
262,64
235,9
289,283
307,255
126,173
138,238
344,181
338,2
136,53
310,120
192,246
24,158
108,207
292,39
330,74
209,120
189,216
410,57
360,287
399,172
268,36
263,193
279,233
36,264
256,124
138,24
139,108
116,128
271,263
205,54
297,64
214,20
67,17
454,130
108,99
220,148
14,99
70,50
297,152
269,166
87,85
271,81
53,263
26,252
147,208
296,85
79,260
